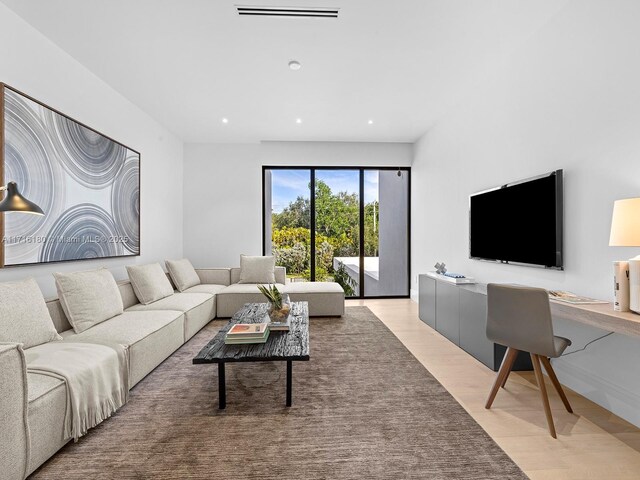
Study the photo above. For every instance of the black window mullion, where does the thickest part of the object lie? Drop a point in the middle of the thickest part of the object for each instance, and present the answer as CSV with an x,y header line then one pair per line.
x,y
361,246
312,226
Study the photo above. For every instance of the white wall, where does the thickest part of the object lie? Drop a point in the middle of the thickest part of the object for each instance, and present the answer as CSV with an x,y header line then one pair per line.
x,y
223,189
569,98
33,64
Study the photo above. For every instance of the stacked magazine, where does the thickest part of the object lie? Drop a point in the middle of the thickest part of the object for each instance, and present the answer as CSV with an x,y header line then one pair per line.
x,y
243,333
568,297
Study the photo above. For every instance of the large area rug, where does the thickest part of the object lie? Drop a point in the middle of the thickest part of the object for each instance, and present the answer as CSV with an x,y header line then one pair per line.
x,y
363,408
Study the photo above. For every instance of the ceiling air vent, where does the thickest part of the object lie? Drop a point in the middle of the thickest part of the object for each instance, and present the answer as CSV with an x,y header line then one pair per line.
x,y
303,12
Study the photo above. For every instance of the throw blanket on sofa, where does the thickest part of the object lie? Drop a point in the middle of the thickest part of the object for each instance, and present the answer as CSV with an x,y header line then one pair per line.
x,y
97,380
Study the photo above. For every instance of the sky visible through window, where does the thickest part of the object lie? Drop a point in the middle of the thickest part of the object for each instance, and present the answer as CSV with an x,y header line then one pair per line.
x,y
287,185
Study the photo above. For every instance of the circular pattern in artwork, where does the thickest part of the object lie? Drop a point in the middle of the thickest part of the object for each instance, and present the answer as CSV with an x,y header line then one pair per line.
x,y
83,231
125,203
29,161
90,158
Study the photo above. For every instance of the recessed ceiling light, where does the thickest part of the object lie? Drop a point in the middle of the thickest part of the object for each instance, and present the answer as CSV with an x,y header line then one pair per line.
x,y
370,122
225,120
295,65
298,120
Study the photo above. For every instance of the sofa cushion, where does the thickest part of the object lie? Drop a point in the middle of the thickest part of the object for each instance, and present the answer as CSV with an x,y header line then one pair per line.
x,y
241,288
232,298
47,410
215,276
149,282
24,317
257,269
14,427
41,385
313,287
325,299
89,297
209,288
234,275
182,273
151,337
198,309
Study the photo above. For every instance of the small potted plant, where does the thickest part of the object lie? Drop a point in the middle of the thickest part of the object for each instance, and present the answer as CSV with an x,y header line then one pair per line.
x,y
279,305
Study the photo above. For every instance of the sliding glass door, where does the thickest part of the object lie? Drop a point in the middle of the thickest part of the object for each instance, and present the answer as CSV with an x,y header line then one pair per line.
x,y
337,225
287,221
360,223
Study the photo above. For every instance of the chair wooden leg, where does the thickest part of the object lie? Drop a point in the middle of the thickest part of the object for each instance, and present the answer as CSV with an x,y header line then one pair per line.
x,y
509,366
552,375
509,357
535,360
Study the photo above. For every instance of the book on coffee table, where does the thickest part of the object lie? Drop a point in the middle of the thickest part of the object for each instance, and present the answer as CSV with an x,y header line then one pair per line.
x,y
246,340
242,333
247,330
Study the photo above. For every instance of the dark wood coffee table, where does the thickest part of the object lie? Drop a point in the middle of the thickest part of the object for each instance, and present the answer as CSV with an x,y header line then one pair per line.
x,y
280,346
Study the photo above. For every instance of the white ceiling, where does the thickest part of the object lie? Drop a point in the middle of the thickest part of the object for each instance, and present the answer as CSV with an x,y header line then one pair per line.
x,y
189,63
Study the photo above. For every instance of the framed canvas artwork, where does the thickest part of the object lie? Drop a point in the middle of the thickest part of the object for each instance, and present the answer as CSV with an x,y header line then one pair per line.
x,y
87,184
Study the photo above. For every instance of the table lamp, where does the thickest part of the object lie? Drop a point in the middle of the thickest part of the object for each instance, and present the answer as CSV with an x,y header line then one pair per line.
x,y
625,232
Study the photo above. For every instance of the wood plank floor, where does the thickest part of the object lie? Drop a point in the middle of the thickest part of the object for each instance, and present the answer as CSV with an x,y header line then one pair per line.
x,y
592,443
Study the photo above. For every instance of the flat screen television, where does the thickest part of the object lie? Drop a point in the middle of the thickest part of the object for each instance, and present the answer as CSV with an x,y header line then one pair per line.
x,y
520,222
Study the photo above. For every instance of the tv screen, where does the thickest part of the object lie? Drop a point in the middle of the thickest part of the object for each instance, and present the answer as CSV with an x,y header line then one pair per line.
x,y
519,222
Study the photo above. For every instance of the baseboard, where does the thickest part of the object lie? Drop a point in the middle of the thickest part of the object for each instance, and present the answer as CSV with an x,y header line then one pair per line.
x,y
612,396
414,295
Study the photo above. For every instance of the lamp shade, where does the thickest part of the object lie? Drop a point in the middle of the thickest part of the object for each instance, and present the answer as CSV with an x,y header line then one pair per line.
x,y
625,223
14,202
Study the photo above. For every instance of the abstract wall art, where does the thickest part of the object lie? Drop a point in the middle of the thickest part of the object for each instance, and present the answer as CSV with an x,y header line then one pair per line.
x,y
87,184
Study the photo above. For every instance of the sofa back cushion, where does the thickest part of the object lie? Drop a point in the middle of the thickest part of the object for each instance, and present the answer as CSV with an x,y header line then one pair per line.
x,y
129,298
280,273
149,282
215,276
183,274
24,317
89,297
60,320
257,269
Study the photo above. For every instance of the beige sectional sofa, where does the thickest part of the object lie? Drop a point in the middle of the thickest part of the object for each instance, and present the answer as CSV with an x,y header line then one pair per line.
x,y
33,405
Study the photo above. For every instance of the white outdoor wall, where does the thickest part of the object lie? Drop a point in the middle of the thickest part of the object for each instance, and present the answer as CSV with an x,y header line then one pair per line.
x,y
392,239
569,98
223,189
33,64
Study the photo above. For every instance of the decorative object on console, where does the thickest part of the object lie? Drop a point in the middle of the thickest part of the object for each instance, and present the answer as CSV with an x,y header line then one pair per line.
x,y
625,232
440,268
454,278
87,183
621,286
